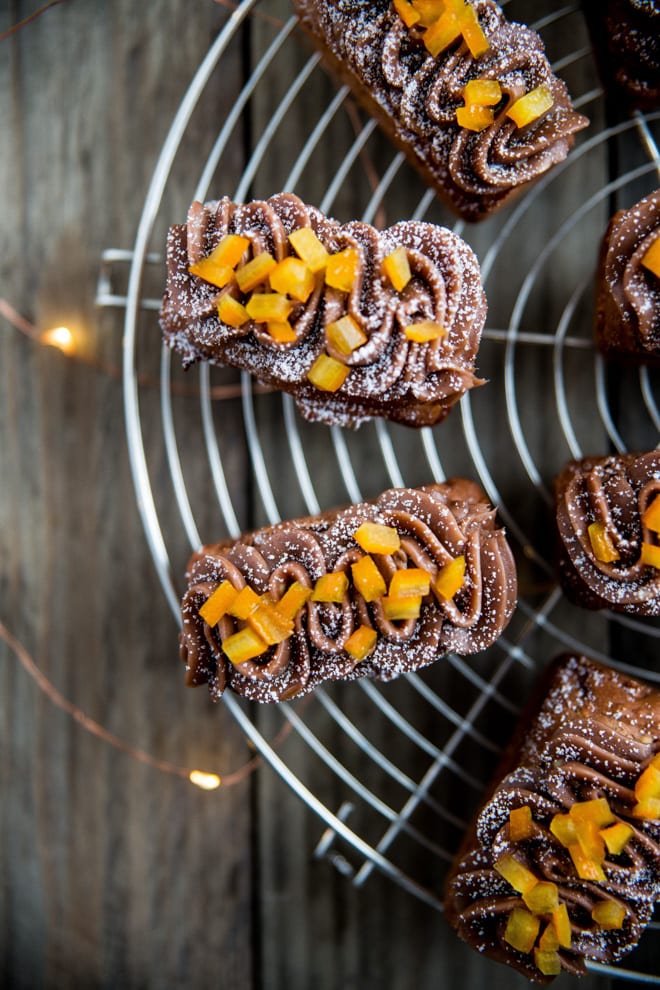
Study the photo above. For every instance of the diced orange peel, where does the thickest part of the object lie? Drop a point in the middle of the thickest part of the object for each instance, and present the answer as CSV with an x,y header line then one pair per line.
x,y
521,824
218,266
376,537
397,268
401,608
601,543
406,12
609,915
515,873
423,332
647,785
651,514
549,940
410,581
367,579
210,271
650,555
562,926
282,333
216,605
341,269
345,335
456,20
482,92
309,248
616,837
591,842
547,961
651,258
243,645
450,578
563,827
361,643
330,587
293,599
531,106
245,602
268,307
522,929
542,898
232,312
270,624
596,811
474,118
255,272
327,374
586,867
292,277
648,808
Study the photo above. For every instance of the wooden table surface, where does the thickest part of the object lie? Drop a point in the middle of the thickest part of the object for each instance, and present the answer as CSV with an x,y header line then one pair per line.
x,y
116,871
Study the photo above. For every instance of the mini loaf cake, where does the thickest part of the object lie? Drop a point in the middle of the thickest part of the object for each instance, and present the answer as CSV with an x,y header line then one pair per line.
x,y
608,518
352,321
562,864
469,98
626,37
627,320
373,590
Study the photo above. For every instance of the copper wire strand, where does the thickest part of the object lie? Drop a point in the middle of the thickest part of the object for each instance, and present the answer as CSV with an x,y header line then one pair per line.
x,y
28,20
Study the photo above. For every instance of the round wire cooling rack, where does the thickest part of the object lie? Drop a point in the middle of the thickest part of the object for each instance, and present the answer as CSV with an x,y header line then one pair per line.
x,y
386,767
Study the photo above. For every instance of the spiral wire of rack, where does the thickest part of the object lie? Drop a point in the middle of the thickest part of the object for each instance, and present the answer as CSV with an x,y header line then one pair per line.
x,y
391,803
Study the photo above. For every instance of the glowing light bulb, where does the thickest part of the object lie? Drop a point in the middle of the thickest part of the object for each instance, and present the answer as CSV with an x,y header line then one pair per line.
x,y
207,781
60,337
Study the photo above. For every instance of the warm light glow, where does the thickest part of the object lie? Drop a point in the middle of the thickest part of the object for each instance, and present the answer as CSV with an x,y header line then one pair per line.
x,y
60,337
207,781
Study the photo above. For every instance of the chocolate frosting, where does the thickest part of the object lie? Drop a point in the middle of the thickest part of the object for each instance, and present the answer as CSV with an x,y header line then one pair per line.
x,y
593,734
415,97
626,35
436,523
615,491
628,297
390,376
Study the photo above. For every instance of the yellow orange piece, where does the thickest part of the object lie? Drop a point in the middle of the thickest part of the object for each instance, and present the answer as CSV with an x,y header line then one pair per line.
x,y
270,624
397,268
649,809
474,118
482,92
651,514
309,248
429,10
597,811
283,332
330,587
293,600
402,608
609,914
450,578
521,825
563,828
422,333
232,312
442,33
406,12
562,926
590,841
361,642
601,543
515,873
345,335
216,605
542,898
243,645
267,307
328,374
549,941
367,579
531,106
341,269
473,33
292,277
210,271
650,555
375,537
255,272
651,259
244,603
647,784
616,837
521,930
586,868
230,250
547,961
410,581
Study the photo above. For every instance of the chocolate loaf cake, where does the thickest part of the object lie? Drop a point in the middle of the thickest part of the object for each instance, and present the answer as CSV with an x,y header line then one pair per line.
x,y
626,39
608,520
470,98
353,322
627,315
372,590
562,863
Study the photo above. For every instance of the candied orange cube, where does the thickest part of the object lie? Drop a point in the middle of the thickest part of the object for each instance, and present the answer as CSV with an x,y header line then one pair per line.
x,y
590,841
563,828
474,118
482,92
650,555
293,599
473,33
216,605
397,268
256,271
341,269
521,930
282,332
244,603
375,537
406,12
402,608
651,259
367,579
268,307
515,873
232,312
649,809
270,624
331,587
597,811
521,825
243,645
585,867
601,543
542,898
531,106
651,514
450,578
616,837
549,940
292,277
410,581
442,33
609,914
361,642
328,374
547,961
309,248
562,925
429,10
210,271
422,332
345,335
647,784
230,250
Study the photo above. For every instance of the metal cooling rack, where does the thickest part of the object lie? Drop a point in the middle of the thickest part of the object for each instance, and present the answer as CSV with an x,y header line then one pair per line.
x,y
390,807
